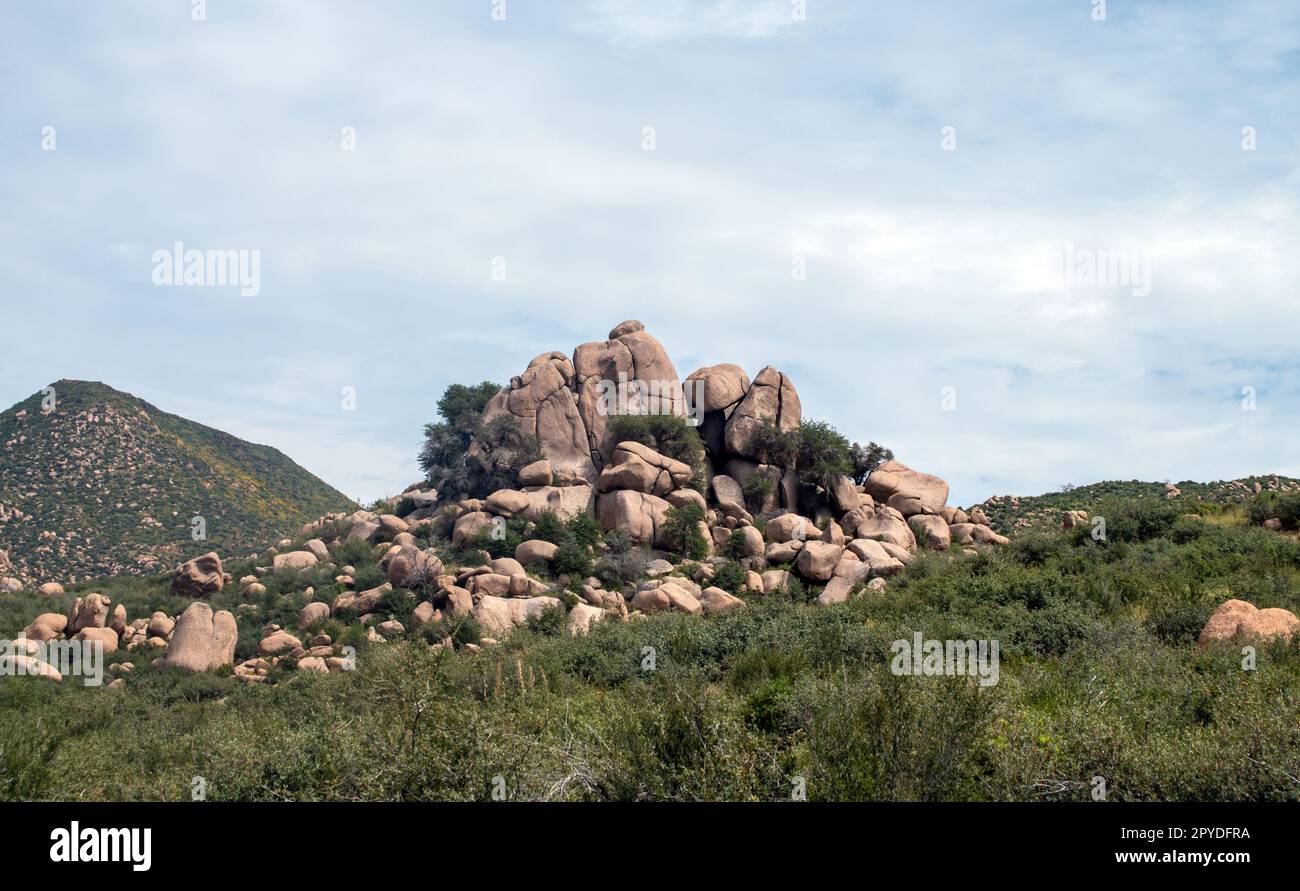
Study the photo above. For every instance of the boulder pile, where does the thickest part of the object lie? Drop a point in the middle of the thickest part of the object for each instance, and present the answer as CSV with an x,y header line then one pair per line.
x,y
750,507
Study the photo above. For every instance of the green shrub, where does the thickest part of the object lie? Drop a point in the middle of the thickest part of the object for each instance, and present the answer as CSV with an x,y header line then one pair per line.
x,y
682,531
1274,505
584,530
550,622
549,527
823,454
572,558
757,488
729,577
465,455
621,567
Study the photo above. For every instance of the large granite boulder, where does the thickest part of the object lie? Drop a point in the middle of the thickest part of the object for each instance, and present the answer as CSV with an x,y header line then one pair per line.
x,y
908,491
717,388
199,577
566,502
201,640
498,616
1240,621
771,399
640,468
637,515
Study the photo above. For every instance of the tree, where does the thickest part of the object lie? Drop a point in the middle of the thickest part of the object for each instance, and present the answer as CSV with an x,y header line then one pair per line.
x,y
867,458
824,454
682,531
464,456
446,441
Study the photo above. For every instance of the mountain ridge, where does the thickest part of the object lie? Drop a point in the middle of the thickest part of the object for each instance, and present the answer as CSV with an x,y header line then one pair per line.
x,y
95,481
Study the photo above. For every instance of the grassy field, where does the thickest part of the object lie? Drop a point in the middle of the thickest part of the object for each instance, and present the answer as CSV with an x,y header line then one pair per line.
x,y
1099,678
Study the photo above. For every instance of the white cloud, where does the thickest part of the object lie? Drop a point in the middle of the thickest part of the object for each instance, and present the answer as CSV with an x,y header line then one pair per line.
x,y
640,22
521,139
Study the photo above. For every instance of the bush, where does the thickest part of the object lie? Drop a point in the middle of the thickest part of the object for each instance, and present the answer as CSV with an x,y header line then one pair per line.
x,y
572,558
682,531
729,577
465,456
1273,505
547,526
618,568
735,549
502,544
774,447
1133,520
756,489
584,530
867,458
823,454
550,622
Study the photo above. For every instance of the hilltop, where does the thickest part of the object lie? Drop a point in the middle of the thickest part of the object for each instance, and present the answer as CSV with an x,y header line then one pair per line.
x,y
102,483
1011,514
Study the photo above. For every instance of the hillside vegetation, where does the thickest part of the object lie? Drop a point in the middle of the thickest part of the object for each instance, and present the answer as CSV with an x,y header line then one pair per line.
x,y
1014,513
105,483
1100,677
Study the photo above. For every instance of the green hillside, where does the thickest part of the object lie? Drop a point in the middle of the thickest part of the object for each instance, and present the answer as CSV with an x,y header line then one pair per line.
x,y
1012,514
106,483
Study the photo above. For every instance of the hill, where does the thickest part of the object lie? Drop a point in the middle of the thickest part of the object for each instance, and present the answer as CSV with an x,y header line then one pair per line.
x,y
637,620
1010,514
104,483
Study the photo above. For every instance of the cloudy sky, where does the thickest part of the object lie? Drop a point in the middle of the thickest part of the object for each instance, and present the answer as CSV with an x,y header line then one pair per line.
x,y
928,164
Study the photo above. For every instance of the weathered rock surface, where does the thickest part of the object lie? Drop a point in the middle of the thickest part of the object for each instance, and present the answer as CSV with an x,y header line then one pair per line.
x,y
202,641
721,387
200,577
914,492
639,516
498,616
771,399
639,363
1242,622
639,468
543,403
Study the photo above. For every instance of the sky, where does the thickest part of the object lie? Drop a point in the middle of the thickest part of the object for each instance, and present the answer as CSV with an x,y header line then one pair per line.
x,y
899,205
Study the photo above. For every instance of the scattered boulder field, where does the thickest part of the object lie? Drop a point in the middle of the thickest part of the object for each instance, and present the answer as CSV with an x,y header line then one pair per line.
x,y
853,537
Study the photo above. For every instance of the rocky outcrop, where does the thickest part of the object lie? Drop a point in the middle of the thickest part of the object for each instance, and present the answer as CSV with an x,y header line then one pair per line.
x,y
90,611
543,403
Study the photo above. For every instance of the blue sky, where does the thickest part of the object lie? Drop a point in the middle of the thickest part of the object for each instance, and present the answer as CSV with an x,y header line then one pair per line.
x,y
821,138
